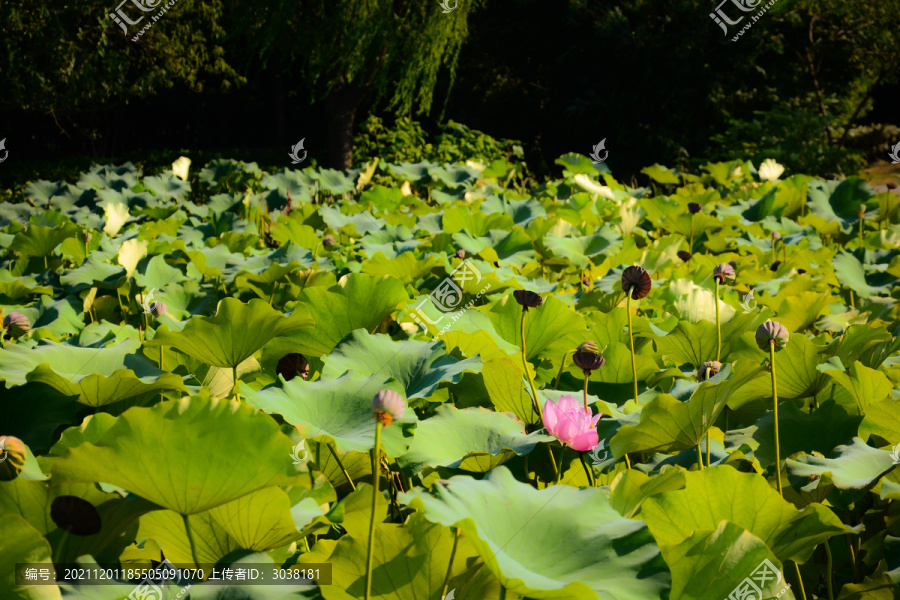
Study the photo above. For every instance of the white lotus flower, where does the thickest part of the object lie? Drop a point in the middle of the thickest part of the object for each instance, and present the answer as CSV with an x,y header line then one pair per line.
x,y
475,165
180,167
405,189
585,182
116,216
770,170
737,172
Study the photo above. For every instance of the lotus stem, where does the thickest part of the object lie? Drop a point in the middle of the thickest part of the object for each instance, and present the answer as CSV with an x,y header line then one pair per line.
x,y
830,568
587,471
861,220
627,462
561,367
691,249
450,566
190,537
631,340
502,592
699,458
375,473
237,389
61,548
775,410
587,375
553,462
272,296
562,464
800,580
341,465
45,262
707,448
852,554
718,326
537,402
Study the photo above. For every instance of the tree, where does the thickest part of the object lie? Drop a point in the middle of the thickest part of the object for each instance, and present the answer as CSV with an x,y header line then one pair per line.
x,y
388,52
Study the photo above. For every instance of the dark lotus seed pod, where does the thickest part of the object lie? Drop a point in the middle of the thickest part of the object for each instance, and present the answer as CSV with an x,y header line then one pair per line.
x,y
16,324
528,299
12,453
587,360
388,405
771,331
461,254
801,271
158,309
77,516
586,281
775,265
891,185
292,365
723,273
684,255
637,281
694,208
329,242
708,369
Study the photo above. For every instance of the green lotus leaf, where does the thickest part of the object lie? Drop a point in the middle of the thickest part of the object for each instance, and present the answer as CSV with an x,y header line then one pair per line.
x,y
522,212
406,266
577,249
166,528
93,273
630,488
339,409
473,439
574,163
696,343
668,425
214,263
745,499
157,274
420,367
39,240
22,543
505,383
130,252
661,174
167,186
96,376
259,521
233,334
357,301
838,201
882,419
864,385
512,526
855,466
179,455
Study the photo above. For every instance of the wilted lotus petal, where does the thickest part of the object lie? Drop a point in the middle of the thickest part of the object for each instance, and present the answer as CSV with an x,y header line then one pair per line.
x,y
388,406
12,453
461,254
77,516
16,324
684,255
694,208
528,299
637,281
771,331
292,365
158,309
708,369
723,273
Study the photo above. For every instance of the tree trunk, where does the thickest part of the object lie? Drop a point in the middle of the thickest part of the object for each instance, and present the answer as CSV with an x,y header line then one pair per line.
x,y
342,105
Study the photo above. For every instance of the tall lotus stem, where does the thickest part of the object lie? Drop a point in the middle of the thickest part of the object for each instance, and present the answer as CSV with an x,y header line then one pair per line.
x,y
718,326
190,537
862,218
561,367
691,249
587,471
775,409
450,565
375,473
237,389
771,335
587,359
800,580
341,465
631,341
534,396
830,568
699,458
562,464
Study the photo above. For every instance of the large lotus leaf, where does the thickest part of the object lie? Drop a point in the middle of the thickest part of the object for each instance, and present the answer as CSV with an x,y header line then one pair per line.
x,y
167,186
551,330
39,240
234,334
476,223
696,343
745,499
509,248
166,528
515,528
259,521
855,466
357,301
93,273
420,367
406,266
668,425
864,385
157,274
473,439
340,409
883,419
505,383
577,249
471,331
661,174
630,488
850,272
180,454
838,201
353,224
711,564
54,319
453,176
97,376
22,543
522,212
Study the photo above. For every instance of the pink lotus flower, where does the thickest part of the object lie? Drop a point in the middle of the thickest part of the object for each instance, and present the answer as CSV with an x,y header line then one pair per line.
x,y
566,421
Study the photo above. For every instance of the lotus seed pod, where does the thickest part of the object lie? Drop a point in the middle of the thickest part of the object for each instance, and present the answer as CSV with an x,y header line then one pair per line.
x,y
637,281
891,185
158,309
771,331
77,516
684,255
388,405
723,273
528,299
694,208
12,455
588,360
708,369
16,324
328,241
588,346
775,265
801,271
461,254
292,365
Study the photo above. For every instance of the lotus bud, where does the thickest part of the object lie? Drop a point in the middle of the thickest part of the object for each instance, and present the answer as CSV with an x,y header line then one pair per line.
x,y
776,236
684,255
528,299
16,324
771,331
12,455
388,405
158,309
77,516
775,266
461,254
694,208
329,242
801,271
637,281
708,369
85,237
723,273
586,281
862,211
291,365
587,358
